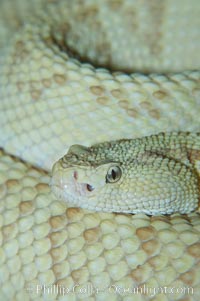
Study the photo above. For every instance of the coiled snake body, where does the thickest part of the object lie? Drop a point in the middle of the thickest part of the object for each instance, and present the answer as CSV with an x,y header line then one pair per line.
x,y
52,98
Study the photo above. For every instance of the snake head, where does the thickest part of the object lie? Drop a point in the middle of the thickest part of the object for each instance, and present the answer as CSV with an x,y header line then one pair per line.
x,y
81,177
125,176
83,185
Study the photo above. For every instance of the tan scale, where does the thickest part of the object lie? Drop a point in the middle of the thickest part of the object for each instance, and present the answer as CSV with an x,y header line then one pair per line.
x,y
49,241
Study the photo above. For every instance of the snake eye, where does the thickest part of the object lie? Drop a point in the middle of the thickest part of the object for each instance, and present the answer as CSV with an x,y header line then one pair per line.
x,y
114,174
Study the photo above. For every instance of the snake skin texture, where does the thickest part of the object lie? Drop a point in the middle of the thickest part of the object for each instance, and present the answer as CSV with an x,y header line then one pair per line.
x,y
158,174
84,72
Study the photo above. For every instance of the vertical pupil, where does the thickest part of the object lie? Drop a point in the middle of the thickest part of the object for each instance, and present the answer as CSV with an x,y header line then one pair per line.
x,y
113,174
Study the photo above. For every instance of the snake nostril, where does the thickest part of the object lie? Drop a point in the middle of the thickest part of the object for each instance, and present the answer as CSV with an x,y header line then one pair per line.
x,y
89,187
76,175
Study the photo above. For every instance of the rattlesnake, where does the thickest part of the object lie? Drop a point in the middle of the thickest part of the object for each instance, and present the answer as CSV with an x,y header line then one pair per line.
x,y
153,175
49,101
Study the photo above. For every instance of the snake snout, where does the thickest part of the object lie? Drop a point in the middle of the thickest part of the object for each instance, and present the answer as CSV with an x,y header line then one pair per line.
x,y
87,186
67,183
